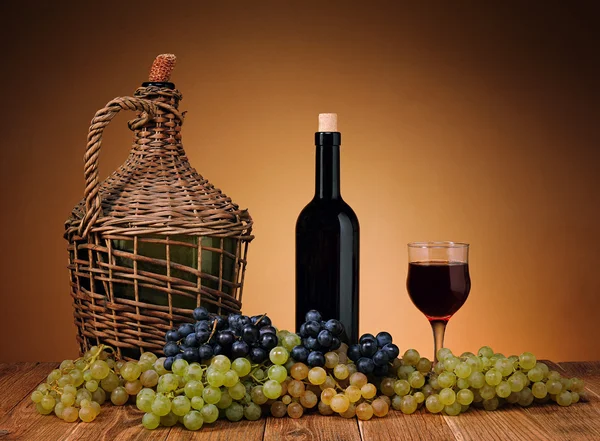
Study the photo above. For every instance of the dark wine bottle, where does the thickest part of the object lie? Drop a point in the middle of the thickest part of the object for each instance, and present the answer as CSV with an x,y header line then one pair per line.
x,y
327,241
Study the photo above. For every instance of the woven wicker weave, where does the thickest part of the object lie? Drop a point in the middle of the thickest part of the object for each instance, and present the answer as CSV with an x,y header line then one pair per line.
x,y
155,239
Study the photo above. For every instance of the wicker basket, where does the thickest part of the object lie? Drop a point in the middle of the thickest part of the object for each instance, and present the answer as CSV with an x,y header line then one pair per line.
x,y
155,239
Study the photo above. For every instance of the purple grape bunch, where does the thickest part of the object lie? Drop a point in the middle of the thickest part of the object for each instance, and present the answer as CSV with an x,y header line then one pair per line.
x,y
234,336
318,337
374,354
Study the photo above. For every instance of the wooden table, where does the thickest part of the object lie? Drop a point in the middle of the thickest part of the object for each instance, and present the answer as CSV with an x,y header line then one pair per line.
x,y
20,421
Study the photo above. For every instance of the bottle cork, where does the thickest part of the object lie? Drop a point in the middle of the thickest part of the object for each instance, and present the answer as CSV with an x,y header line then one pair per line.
x,y
162,68
328,122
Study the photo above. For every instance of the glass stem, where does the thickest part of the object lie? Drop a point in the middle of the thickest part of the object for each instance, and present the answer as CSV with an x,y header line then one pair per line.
x,y
439,329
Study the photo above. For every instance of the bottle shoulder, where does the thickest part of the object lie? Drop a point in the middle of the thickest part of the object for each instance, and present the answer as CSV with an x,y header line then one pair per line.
x,y
319,211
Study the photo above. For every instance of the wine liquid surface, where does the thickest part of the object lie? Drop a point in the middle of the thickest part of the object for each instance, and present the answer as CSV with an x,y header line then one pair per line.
x,y
438,289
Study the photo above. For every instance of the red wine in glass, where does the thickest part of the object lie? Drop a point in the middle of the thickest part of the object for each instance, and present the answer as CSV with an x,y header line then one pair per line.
x,y
438,288
438,282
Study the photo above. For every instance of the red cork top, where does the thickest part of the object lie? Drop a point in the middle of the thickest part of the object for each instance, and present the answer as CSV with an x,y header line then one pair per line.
x,y
162,68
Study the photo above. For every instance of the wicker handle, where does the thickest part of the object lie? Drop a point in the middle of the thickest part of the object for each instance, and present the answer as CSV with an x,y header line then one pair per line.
x,y
93,202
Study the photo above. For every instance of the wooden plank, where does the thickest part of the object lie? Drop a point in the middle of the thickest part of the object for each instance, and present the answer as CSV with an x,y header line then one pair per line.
x,y
506,423
12,390
395,425
117,423
312,427
17,381
10,369
221,430
580,421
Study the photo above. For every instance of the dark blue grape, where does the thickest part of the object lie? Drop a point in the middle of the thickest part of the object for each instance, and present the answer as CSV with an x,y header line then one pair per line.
x,y
233,320
365,365
300,353
202,336
302,331
366,337
200,314
205,352
313,328
258,355
217,349
185,329
225,338
250,334
354,352
311,343
168,363
325,338
191,340
267,330
265,321
243,321
368,348
172,335
203,325
381,371
335,344
260,321
335,327
222,323
268,341
316,358
392,350
178,356
381,358
383,338
239,349
313,315
190,354
171,349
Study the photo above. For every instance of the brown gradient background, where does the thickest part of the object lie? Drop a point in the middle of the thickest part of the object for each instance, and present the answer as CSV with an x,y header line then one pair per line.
x,y
462,121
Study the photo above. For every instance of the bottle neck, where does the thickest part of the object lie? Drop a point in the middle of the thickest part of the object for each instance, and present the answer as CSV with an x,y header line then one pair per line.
x,y
327,176
164,130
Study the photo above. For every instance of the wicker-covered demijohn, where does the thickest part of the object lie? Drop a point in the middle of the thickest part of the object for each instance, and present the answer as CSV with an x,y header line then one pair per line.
x,y
155,239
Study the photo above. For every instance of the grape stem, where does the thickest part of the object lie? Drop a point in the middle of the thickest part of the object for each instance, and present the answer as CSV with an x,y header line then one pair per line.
x,y
257,380
175,393
261,317
213,331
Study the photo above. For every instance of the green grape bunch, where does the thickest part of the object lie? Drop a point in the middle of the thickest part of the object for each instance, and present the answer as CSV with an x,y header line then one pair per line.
x,y
74,390
491,380
196,394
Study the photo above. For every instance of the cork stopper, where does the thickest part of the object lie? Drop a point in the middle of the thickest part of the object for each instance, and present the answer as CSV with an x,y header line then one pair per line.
x,y
328,122
162,68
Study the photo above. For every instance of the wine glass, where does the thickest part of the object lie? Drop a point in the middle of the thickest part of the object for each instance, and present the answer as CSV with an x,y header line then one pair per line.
x,y
438,282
